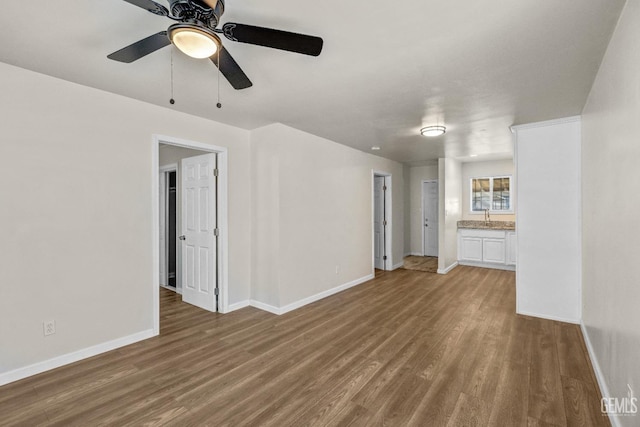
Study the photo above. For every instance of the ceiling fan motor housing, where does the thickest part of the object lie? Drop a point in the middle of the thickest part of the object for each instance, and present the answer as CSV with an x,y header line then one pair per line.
x,y
197,12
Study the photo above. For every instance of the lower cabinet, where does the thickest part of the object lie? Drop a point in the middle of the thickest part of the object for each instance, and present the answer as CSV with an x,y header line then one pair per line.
x,y
470,249
493,250
487,248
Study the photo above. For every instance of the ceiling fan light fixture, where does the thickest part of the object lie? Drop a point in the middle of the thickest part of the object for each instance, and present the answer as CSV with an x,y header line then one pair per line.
x,y
432,131
194,41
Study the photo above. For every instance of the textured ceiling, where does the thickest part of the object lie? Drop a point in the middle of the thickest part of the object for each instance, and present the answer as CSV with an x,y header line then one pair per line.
x,y
387,69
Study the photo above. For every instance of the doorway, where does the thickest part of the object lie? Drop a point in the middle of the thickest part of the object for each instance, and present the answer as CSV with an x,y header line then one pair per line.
x,y
430,195
188,224
382,221
200,236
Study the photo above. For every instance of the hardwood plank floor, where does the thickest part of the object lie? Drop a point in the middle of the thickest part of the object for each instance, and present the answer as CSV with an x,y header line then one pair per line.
x,y
427,264
407,348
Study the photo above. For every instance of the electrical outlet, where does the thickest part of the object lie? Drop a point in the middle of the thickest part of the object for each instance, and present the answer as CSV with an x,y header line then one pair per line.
x,y
337,269
49,327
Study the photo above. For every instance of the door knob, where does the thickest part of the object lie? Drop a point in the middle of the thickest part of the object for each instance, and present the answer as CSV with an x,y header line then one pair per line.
x,y
183,237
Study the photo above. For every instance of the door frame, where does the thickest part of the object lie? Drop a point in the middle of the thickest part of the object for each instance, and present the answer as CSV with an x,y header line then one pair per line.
x,y
388,233
162,170
222,207
427,181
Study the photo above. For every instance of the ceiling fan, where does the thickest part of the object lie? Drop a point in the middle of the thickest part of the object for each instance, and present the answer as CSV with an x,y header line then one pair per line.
x,y
196,34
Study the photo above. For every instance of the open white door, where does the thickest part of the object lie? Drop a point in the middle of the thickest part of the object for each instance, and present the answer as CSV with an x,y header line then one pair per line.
x,y
430,217
378,222
199,222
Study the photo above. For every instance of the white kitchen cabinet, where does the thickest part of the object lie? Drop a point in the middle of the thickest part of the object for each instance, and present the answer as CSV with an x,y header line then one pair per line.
x,y
471,249
487,248
493,250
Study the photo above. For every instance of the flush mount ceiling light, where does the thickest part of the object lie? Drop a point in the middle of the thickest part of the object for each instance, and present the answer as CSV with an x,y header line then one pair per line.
x,y
375,148
197,42
432,131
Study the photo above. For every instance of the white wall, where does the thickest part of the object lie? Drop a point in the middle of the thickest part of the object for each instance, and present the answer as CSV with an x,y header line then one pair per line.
x,y
417,174
548,278
76,241
450,185
610,209
312,212
484,169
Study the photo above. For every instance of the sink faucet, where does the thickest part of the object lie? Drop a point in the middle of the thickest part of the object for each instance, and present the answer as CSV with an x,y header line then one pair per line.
x,y
487,217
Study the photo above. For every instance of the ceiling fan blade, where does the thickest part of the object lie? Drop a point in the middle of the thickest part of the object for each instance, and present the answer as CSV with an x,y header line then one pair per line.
x,y
151,6
283,40
141,48
231,70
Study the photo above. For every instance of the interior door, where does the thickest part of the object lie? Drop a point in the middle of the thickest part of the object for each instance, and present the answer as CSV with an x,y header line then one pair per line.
x,y
378,222
430,217
199,222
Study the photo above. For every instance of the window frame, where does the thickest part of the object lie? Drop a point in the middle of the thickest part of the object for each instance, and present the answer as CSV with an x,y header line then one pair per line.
x,y
491,178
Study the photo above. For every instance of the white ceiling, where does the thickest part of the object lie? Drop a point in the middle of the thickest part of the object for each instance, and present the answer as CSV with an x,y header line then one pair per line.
x,y
387,69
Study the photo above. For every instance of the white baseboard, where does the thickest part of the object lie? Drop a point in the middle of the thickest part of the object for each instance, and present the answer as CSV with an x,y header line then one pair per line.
x,y
65,359
290,307
416,254
487,265
549,317
448,269
265,307
397,266
238,305
313,298
604,389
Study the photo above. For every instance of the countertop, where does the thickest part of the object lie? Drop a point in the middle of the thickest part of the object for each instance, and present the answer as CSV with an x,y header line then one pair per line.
x,y
490,225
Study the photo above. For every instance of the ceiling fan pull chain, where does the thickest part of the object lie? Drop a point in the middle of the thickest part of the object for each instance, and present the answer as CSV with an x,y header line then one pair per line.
x,y
172,101
219,105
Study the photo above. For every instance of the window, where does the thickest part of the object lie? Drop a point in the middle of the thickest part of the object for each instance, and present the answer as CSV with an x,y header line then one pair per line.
x,y
493,193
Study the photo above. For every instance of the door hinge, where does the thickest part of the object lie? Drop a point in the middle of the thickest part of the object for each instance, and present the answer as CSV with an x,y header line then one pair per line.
x,y
216,172
384,257
216,232
384,188
384,222
217,291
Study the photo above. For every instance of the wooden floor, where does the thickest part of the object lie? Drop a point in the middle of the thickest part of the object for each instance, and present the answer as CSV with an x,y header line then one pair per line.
x,y
407,348
427,264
